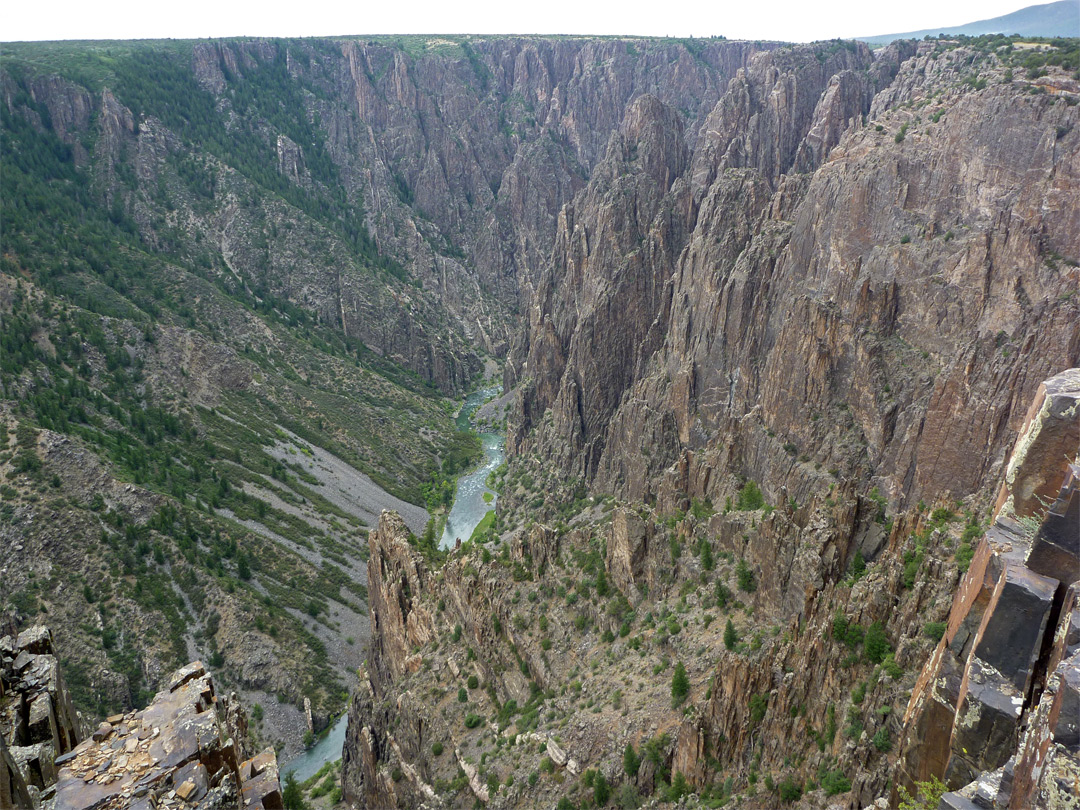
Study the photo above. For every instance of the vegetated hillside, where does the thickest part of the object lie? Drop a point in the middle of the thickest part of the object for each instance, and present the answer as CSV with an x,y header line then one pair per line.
x,y
767,389
189,458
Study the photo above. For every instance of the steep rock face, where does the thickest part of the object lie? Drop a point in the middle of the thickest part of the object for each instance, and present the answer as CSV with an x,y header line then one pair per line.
x,y
608,299
515,631
888,292
994,707
397,580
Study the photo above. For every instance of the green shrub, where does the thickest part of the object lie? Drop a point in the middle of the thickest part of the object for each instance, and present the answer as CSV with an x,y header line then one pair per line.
x,y
894,670
790,790
759,704
437,748
631,760
473,720
679,787
834,782
723,595
859,694
928,795
601,790
882,740
731,638
934,630
858,565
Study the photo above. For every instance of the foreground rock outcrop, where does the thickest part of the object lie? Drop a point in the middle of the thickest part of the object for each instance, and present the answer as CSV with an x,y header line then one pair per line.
x,y
37,721
996,710
188,748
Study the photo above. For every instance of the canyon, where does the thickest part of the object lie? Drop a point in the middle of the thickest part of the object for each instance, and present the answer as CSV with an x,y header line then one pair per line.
x,y
788,338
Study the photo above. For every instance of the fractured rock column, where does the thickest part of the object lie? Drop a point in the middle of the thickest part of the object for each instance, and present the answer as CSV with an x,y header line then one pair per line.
x,y
1006,662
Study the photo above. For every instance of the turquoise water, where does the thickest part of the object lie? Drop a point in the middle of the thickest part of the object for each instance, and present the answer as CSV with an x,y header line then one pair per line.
x,y
469,506
328,749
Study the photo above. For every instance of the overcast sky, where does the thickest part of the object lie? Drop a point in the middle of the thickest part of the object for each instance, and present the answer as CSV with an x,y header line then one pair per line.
x,y
791,20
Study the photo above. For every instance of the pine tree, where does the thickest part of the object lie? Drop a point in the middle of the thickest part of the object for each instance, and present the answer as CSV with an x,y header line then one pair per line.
x,y
680,685
601,790
630,760
731,638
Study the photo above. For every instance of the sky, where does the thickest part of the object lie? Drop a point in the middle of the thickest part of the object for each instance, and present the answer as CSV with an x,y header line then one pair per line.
x,y
789,20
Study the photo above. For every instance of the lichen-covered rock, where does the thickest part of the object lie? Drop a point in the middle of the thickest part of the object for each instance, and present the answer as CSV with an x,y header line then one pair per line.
x,y
188,747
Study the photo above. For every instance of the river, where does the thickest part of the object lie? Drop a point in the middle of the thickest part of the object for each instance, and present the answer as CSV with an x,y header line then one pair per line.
x,y
468,510
469,505
328,749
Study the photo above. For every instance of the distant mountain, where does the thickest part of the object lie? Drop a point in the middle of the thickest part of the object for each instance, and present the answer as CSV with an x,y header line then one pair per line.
x,y
1060,19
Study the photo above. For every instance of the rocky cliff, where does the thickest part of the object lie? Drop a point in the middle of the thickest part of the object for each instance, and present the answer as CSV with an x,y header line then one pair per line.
x,y
188,748
907,290
404,194
773,317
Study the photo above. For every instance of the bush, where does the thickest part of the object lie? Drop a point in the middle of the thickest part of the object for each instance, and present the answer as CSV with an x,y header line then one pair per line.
x,y
723,595
473,720
293,795
934,630
679,787
859,694
834,782
759,704
707,561
473,682
890,666
790,790
839,626
631,761
462,695
928,795
858,565
731,638
964,555
601,790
